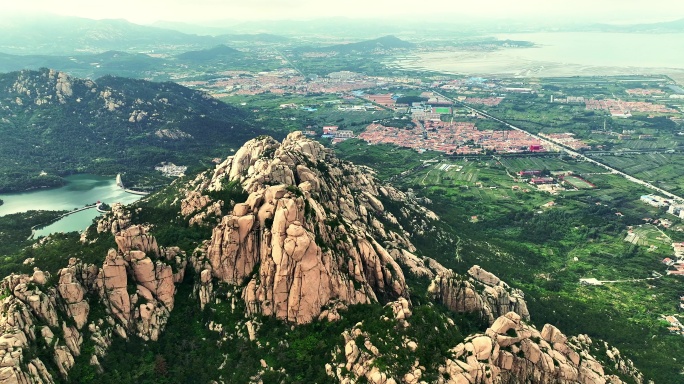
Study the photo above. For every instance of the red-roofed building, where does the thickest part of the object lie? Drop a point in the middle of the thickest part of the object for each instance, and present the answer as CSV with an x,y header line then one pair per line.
x,y
330,129
542,180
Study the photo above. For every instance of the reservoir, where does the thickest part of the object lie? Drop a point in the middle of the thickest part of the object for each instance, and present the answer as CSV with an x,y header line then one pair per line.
x,y
80,190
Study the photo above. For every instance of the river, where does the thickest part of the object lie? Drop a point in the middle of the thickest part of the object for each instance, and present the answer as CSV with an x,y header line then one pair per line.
x,y
565,54
79,191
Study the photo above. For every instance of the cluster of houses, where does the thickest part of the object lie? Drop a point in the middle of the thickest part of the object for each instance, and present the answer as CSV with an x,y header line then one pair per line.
x,y
676,265
675,325
673,208
337,135
536,177
171,169
655,201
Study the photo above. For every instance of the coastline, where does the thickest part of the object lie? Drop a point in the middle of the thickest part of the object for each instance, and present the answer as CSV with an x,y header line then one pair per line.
x,y
484,64
559,54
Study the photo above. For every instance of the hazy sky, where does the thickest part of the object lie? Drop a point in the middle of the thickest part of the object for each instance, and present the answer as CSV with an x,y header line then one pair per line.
x,y
146,11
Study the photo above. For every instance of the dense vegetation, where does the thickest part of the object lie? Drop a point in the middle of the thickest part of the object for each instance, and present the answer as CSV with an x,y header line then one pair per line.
x,y
507,231
15,230
111,126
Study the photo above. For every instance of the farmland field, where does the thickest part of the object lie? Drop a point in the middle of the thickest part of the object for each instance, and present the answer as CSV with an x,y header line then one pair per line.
x,y
551,163
649,235
578,182
663,170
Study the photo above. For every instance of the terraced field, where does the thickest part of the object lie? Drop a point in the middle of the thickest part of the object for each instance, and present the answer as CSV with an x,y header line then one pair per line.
x,y
551,163
663,170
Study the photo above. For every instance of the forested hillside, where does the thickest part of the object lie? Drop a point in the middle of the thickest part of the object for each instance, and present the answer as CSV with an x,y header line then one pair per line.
x,y
53,125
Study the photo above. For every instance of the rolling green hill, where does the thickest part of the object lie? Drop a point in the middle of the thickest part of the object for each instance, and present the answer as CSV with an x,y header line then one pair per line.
x,y
220,52
367,46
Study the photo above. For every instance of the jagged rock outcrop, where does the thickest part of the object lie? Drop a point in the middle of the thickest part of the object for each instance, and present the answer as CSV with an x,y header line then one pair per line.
x,y
140,265
612,356
309,234
305,237
117,220
511,351
482,293
74,281
360,354
136,285
25,304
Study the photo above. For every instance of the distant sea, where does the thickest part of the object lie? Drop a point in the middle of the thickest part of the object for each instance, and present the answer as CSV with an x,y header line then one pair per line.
x,y
565,54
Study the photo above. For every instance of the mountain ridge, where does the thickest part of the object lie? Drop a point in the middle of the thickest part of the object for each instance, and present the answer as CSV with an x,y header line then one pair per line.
x,y
384,43
123,123
287,237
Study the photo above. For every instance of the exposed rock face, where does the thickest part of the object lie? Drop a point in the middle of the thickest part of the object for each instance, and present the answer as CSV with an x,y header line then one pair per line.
x,y
511,351
482,293
139,265
193,202
359,359
116,221
173,134
309,234
74,280
25,305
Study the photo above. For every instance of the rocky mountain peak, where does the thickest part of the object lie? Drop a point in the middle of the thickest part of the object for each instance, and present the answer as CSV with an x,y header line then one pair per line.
x,y
300,236
309,234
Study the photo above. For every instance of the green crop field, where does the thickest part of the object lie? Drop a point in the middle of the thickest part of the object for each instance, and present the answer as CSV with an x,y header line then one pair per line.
x,y
663,170
551,163
578,182
649,235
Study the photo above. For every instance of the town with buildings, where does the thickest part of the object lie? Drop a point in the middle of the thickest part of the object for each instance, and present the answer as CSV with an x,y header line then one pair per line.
x,y
452,138
619,108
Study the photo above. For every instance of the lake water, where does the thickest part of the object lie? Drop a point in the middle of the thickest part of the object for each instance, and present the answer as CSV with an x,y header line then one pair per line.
x,y
80,190
566,54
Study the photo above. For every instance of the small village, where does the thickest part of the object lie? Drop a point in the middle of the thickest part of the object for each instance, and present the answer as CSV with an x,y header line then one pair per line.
x,y
171,169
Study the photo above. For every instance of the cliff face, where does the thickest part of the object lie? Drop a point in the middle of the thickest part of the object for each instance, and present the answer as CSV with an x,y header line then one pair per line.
x,y
308,234
481,292
134,286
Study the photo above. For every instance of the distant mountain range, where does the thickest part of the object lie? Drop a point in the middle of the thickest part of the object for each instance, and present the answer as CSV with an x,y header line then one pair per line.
x,y
662,27
92,66
61,35
382,43
118,63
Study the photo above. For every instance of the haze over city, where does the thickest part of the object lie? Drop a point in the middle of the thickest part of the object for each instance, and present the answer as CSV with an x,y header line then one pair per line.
x,y
148,11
